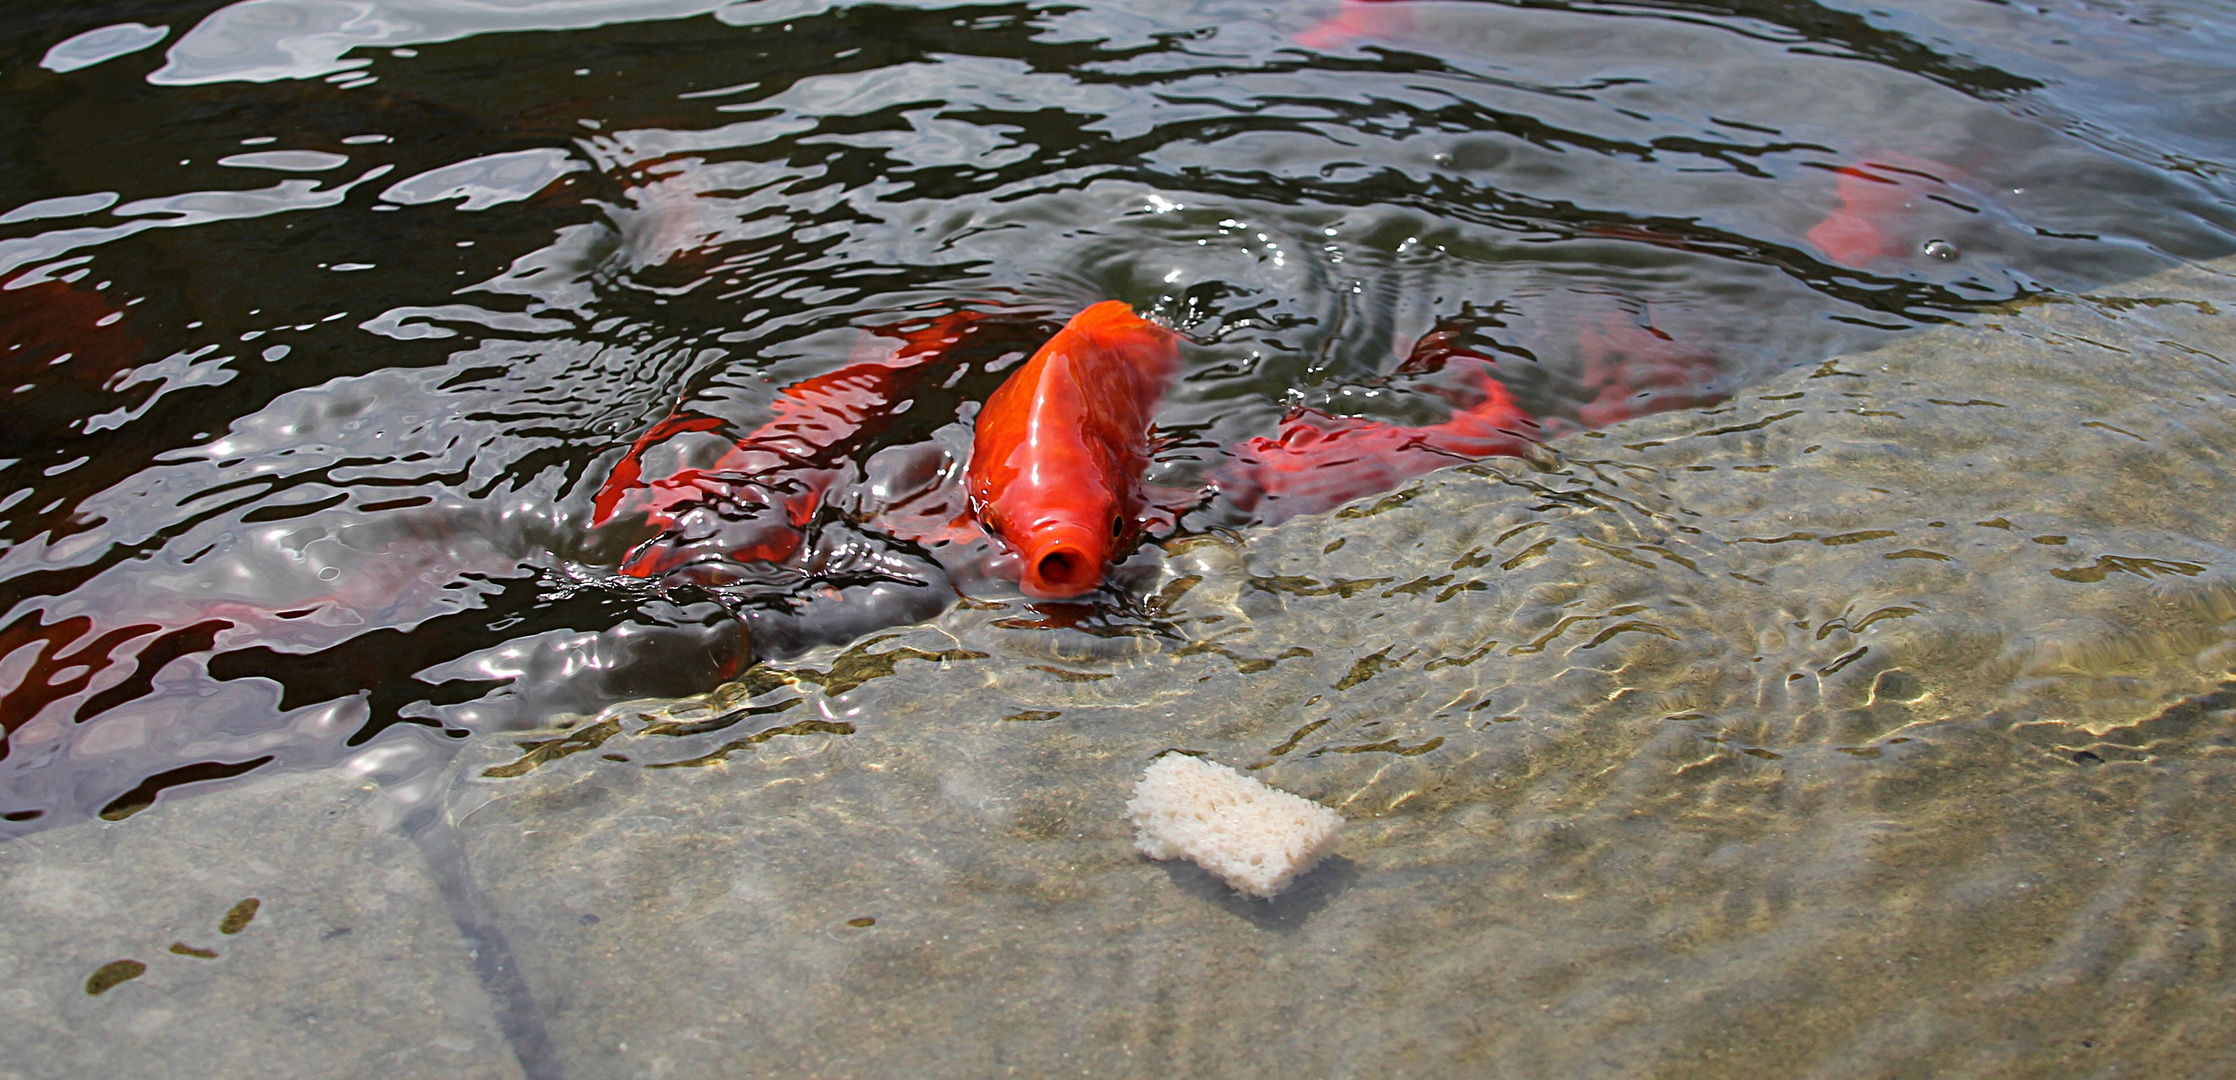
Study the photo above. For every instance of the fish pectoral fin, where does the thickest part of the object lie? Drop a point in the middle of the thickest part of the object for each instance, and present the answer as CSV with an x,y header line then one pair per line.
x,y
928,531
1163,507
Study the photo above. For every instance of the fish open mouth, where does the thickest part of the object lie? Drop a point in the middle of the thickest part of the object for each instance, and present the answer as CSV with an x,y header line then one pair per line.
x,y
1061,569
1062,573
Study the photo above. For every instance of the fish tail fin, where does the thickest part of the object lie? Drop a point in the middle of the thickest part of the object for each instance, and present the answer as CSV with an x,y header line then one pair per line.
x,y
1496,426
628,473
1875,193
1639,369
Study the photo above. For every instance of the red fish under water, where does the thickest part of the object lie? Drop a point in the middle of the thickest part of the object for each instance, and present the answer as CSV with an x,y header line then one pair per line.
x,y
48,323
1358,19
1056,470
1057,461
1874,198
1639,369
773,480
1319,461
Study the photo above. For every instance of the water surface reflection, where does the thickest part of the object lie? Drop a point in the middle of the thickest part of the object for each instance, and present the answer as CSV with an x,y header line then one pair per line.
x,y
325,332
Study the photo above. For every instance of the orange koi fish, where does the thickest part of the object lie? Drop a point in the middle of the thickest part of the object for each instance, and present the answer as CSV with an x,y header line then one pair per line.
x,y
1057,460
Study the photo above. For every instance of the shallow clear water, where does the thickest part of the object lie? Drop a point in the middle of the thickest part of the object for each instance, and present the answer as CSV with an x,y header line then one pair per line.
x,y
322,332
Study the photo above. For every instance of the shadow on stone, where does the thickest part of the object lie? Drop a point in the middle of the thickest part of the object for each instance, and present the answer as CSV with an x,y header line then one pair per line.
x,y
475,915
1285,913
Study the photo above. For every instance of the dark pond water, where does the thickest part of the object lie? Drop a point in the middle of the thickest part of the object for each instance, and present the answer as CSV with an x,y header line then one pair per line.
x,y
323,322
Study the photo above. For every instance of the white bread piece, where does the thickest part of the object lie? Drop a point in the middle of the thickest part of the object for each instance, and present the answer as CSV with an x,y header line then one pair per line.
x,y
1256,837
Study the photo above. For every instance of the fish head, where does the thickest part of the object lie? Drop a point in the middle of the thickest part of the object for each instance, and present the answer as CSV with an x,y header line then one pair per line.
x,y
1065,537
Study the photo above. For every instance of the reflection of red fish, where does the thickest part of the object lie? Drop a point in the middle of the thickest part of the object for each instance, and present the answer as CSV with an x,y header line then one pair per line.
x,y
773,480
1640,369
56,674
1057,461
50,323
1358,19
1318,461
1874,196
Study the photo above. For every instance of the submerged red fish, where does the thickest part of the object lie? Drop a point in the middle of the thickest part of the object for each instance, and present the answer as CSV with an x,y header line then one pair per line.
x,y
1636,369
1320,461
47,323
1358,19
1875,198
754,504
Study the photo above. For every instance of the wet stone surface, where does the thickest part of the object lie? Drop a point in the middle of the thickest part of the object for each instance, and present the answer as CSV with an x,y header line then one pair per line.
x,y
1875,723
282,929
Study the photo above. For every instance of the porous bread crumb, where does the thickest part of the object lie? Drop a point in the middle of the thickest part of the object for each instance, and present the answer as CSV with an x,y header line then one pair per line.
x,y
1255,837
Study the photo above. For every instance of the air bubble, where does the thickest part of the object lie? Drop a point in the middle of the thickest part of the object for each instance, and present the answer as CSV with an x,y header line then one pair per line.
x,y
1940,249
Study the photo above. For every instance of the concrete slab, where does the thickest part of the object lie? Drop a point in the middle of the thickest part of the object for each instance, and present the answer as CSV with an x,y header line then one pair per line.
x,y
284,930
